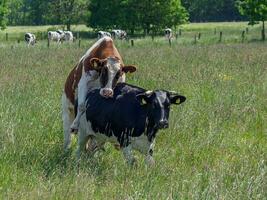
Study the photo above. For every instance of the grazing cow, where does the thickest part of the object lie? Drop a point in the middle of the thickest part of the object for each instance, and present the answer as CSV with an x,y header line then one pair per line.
x,y
168,33
30,39
101,67
101,34
57,36
68,36
119,34
131,119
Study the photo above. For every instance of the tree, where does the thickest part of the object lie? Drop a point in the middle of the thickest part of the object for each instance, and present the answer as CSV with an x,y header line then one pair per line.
x,y
37,9
157,14
15,15
3,13
72,11
256,10
212,10
148,15
105,14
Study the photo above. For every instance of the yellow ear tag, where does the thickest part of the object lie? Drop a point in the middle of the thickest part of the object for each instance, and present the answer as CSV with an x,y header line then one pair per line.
x,y
177,101
143,102
95,65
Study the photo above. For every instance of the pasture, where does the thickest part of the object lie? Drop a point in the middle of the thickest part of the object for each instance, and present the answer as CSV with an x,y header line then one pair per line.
x,y
215,147
209,33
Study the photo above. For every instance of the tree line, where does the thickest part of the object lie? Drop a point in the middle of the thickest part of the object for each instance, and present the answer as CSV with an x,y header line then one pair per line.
x,y
148,16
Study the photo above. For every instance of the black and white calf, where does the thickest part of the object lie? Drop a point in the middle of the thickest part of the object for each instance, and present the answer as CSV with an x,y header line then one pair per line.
x,y
131,119
118,34
168,33
101,34
57,36
68,36
30,39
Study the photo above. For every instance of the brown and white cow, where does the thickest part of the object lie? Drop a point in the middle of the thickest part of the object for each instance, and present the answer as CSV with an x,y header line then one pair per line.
x,y
101,67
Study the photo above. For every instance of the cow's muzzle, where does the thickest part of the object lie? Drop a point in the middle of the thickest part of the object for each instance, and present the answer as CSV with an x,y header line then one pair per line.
x,y
106,92
163,124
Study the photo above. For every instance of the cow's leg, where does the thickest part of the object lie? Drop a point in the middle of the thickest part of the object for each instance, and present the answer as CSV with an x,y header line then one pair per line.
x,y
92,145
149,155
82,140
145,146
149,158
83,88
128,155
67,117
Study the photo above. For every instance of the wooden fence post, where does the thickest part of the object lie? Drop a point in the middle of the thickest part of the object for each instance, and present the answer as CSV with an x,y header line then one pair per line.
x,y
199,36
6,36
220,36
48,42
132,42
180,32
18,41
79,43
243,36
78,35
247,30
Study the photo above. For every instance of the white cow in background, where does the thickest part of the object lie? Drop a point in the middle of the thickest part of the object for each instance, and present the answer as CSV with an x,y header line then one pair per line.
x,y
30,39
57,36
168,33
101,34
119,34
68,36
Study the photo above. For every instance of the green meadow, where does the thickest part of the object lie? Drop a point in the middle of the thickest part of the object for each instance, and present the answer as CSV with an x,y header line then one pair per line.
x,y
214,148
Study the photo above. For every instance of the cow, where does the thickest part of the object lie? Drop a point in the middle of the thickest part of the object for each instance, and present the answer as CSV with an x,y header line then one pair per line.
x,y
119,34
68,36
131,119
101,34
57,36
168,33
101,67
30,39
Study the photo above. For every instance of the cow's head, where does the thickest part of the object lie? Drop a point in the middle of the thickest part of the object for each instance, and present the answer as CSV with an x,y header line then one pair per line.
x,y
159,102
110,70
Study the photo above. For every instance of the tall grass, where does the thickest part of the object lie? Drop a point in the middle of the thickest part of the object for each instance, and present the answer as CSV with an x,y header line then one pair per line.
x,y
215,148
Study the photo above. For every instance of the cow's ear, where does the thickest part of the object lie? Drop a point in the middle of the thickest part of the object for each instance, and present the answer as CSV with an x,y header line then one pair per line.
x,y
176,98
144,98
128,68
95,63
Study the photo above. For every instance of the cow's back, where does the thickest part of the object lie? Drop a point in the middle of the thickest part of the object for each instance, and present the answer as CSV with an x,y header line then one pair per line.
x,y
72,82
116,115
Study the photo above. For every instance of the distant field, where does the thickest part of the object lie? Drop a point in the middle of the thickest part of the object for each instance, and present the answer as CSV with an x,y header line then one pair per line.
x,y
232,32
215,147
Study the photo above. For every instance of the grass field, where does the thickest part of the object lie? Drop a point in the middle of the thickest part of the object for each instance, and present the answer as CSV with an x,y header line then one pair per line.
x,y
215,147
